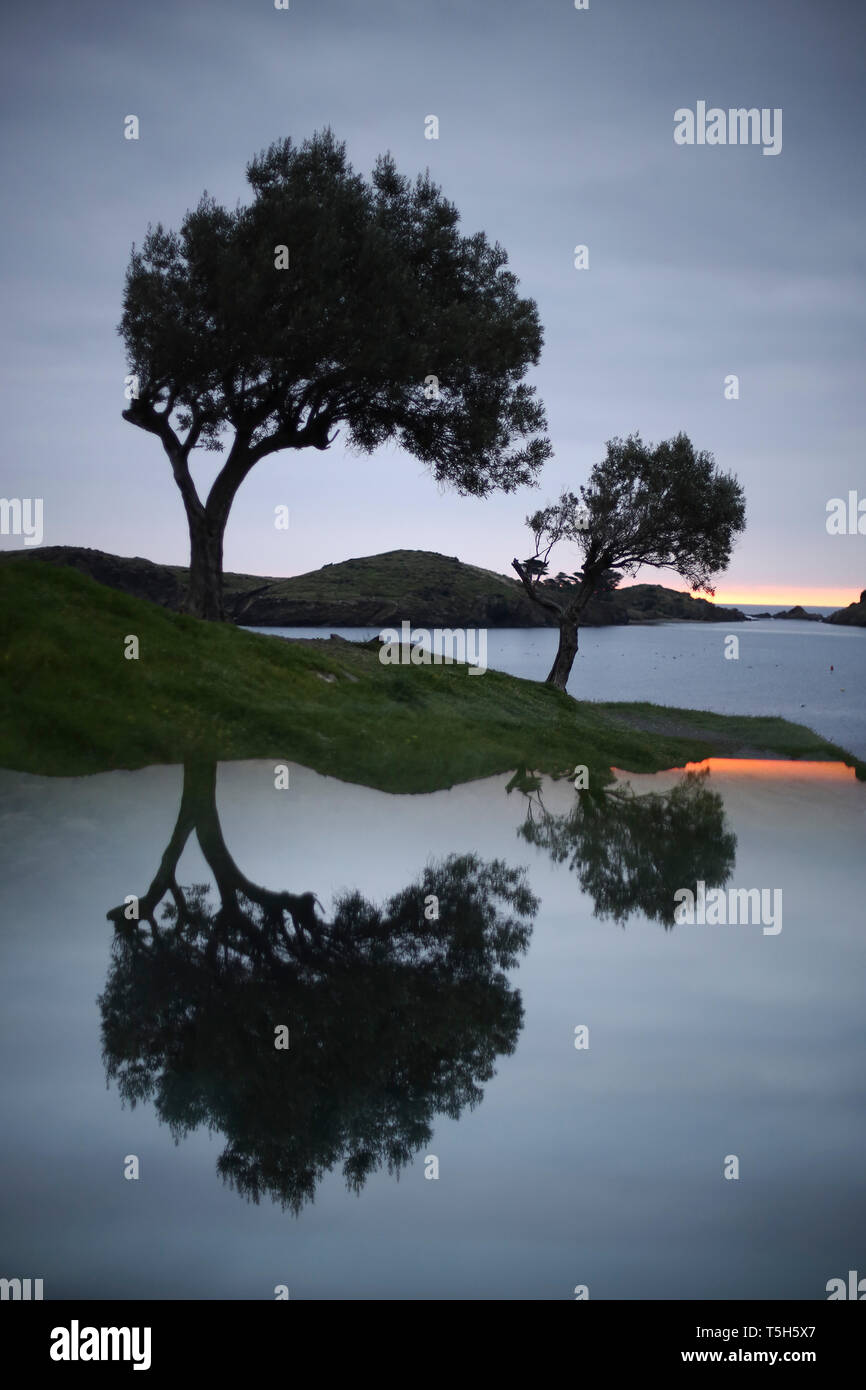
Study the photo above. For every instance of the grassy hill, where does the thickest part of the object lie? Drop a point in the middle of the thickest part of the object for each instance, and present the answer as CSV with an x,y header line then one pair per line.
x,y
419,586
71,703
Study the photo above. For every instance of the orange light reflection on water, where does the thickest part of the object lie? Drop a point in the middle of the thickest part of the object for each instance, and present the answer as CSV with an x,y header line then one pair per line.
x,y
777,769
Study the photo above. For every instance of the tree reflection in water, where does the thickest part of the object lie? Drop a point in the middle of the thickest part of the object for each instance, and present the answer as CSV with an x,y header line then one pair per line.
x,y
394,1015
632,852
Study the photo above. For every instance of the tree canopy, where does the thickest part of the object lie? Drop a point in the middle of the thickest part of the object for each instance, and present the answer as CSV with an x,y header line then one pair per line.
x,y
330,302
668,506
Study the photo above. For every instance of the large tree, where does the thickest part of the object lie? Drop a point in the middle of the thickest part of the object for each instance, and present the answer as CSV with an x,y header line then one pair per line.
x,y
328,301
667,505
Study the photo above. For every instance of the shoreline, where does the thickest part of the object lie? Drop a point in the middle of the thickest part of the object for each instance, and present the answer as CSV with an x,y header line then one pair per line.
x,y
200,690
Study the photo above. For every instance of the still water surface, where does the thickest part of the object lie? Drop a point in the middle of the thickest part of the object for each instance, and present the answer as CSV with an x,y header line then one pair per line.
x,y
412,1039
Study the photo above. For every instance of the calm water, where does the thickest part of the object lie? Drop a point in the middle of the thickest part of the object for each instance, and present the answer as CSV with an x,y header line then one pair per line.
x,y
783,668
412,1038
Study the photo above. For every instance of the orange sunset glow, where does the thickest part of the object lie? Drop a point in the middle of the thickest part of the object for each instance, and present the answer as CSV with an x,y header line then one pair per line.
x,y
777,769
783,595
733,595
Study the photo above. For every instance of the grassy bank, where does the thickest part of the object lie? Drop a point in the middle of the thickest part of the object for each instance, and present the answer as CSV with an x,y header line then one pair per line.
x,y
70,703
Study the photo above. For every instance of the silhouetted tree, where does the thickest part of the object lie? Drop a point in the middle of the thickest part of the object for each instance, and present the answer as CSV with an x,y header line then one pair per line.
x,y
376,303
667,506
394,1016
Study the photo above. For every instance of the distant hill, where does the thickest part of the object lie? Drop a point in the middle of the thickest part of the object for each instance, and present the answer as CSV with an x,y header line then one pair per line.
x,y
852,616
649,603
418,586
799,614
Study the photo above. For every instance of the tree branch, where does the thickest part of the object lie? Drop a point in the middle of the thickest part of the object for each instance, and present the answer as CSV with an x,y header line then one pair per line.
x,y
240,461
195,429
146,417
533,593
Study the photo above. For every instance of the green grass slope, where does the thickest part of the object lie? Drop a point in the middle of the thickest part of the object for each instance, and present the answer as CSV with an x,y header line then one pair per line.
x,y
71,703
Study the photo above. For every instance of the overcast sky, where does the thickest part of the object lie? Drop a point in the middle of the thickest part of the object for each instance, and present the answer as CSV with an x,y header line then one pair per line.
x,y
555,129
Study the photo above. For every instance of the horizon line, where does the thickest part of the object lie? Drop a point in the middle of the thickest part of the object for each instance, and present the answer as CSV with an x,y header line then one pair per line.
x,y
785,595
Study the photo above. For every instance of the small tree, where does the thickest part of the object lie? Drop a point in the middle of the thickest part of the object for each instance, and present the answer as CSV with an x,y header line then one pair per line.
x,y
666,506
330,300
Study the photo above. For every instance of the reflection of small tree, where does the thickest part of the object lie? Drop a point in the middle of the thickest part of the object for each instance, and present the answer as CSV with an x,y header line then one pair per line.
x,y
631,853
393,1018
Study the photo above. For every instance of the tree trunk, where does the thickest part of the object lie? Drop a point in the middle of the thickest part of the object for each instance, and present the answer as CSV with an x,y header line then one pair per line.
x,y
205,596
566,652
